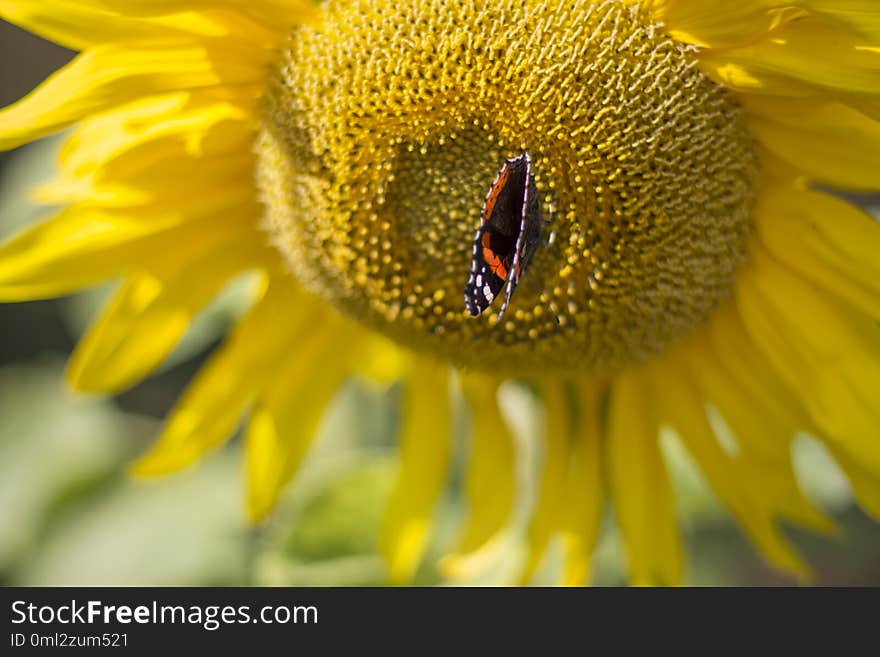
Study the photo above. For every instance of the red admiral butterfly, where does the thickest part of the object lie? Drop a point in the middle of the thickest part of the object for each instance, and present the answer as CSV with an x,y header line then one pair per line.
x,y
508,236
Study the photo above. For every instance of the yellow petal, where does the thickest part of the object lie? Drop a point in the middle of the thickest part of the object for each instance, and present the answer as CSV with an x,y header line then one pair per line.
x,y
682,408
763,426
640,486
80,24
80,246
748,387
490,484
804,58
727,24
70,251
145,152
425,449
826,240
381,360
73,24
109,76
274,12
119,144
584,488
286,417
550,513
149,315
214,402
222,183
834,366
763,413
868,105
865,485
832,143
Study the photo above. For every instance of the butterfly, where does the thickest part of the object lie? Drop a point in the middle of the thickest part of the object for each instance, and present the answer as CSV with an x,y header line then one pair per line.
x,y
508,236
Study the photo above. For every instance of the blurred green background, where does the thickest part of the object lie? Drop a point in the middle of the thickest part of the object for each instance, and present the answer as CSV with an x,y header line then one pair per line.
x,y
71,516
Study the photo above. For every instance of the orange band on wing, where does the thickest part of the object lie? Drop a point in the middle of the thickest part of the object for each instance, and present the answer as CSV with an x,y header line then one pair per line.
x,y
495,263
497,186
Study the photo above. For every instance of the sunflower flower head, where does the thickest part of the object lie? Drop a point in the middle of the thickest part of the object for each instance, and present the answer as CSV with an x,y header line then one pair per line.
x,y
379,143
690,278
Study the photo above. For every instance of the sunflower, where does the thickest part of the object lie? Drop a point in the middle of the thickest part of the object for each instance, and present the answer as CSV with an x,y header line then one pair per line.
x,y
692,277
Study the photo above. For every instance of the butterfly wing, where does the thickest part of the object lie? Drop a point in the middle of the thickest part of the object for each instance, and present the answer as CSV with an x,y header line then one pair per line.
x,y
506,238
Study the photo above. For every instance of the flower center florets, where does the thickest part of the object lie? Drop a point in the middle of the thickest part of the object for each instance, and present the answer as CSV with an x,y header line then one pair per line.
x,y
388,121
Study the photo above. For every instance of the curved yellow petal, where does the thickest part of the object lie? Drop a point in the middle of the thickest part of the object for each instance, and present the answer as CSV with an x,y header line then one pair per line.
x,y
218,186
82,246
214,402
146,152
425,451
180,124
763,426
584,496
865,485
72,250
381,360
682,408
830,142
728,24
109,76
748,387
826,240
490,483
834,366
286,417
80,24
770,401
725,24
867,105
549,516
273,12
152,311
804,58
136,331
640,486
72,23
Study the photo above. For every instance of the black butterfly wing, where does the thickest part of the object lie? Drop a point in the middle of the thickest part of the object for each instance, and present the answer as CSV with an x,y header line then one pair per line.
x,y
506,238
483,284
528,238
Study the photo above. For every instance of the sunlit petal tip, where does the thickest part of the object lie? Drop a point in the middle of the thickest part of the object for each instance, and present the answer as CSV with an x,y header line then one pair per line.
x,y
577,568
403,548
257,513
864,484
286,417
165,458
466,566
490,481
640,486
798,569
551,513
820,522
425,452
534,557
107,361
82,380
